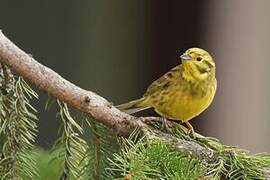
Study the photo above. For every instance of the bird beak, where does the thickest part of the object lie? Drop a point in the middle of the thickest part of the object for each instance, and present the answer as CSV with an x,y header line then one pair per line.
x,y
185,56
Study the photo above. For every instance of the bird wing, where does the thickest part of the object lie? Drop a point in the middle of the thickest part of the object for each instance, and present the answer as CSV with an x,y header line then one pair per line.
x,y
161,84
133,106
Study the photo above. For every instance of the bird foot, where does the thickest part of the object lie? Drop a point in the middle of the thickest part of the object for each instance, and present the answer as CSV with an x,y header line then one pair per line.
x,y
165,125
190,131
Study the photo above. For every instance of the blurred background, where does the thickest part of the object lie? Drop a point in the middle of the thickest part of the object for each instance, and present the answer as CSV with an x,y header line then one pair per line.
x,y
117,48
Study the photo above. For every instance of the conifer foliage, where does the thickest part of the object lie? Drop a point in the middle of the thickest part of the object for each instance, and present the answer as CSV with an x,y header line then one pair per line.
x,y
86,149
18,128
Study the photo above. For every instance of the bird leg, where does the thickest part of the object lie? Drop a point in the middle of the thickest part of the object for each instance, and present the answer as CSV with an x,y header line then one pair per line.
x,y
190,129
165,124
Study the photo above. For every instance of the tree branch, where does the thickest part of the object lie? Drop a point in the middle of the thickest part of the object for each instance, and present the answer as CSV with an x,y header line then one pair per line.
x,y
86,101
52,83
89,102
190,148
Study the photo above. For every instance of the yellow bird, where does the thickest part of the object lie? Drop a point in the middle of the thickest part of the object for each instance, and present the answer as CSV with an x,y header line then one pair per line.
x,y
183,92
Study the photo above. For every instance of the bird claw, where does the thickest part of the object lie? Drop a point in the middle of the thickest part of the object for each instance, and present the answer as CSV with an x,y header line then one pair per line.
x,y
190,131
165,125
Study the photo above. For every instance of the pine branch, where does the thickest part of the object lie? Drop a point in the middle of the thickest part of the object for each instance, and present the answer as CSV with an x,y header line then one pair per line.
x,y
97,151
159,155
52,83
17,127
221,161
228,160
73,149
144,157
103,143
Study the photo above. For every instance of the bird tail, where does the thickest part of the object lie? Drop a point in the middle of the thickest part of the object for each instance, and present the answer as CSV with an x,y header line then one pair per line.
x,y
133,106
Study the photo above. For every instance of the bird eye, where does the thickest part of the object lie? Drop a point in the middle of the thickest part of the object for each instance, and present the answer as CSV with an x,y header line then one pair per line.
x,y
199,58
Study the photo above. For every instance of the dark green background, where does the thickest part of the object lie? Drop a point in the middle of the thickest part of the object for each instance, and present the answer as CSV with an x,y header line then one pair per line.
x,y
117,48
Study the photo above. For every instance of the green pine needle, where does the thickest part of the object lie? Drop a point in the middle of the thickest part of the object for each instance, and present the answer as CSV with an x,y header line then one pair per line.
x,y
18,129
103,143
72,148
152,159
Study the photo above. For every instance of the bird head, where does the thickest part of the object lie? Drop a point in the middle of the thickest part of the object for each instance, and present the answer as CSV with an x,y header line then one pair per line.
x,y
197,64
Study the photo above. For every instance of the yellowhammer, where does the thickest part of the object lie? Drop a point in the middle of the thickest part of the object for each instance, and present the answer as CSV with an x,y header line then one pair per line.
x,y
183,92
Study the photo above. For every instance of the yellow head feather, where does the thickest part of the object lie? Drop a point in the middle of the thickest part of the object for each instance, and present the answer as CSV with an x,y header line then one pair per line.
x,y
197,65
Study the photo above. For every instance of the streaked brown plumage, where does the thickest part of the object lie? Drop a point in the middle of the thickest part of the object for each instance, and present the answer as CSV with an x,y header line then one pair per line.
x,y
183,92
